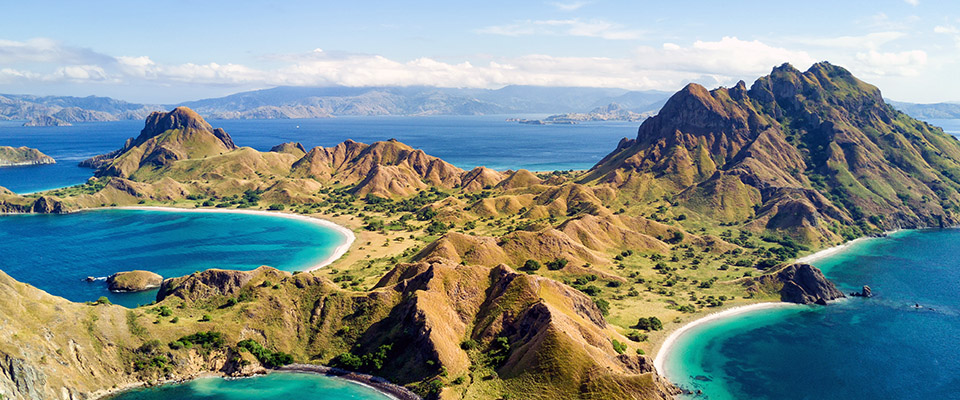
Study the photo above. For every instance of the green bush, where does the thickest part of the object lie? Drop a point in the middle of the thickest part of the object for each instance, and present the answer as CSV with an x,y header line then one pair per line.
x,y
276,207
618,347
531,265
649,324
557,264
268,358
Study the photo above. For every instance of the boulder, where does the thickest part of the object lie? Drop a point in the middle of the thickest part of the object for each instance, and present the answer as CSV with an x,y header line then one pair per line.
x,y
133,281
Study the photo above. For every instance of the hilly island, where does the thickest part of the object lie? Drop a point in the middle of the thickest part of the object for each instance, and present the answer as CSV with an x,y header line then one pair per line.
x,y
485,284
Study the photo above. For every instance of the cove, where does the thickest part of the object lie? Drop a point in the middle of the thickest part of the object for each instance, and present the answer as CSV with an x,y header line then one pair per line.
x,y
57,252
275,386
878,348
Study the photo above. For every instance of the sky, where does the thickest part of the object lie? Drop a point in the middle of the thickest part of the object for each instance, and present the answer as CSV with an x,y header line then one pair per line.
x,y
174,51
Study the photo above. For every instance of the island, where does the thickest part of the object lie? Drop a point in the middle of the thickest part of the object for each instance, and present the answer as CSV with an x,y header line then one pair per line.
x,y
610,112
133,281
46,120
20,156
496,284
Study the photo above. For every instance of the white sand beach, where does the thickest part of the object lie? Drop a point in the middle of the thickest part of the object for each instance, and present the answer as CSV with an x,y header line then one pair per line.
x,y
669,342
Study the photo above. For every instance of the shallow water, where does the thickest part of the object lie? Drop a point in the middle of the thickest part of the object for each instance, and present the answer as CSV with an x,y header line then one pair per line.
x,y
878,348
276,386
57,252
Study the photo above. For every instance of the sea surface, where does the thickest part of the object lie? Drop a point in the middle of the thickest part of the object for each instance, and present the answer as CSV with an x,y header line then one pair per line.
x,y
275,386
878,348
57,253
465,141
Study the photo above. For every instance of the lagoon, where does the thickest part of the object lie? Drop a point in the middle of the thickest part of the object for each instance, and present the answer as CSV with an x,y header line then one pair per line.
x,y
57,252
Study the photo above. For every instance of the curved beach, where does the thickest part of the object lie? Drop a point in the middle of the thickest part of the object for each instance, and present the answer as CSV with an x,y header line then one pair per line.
x,y
669,342
665,348
338,252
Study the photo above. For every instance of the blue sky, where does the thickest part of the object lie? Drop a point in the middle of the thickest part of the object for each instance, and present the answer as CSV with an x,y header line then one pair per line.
x,y
174,51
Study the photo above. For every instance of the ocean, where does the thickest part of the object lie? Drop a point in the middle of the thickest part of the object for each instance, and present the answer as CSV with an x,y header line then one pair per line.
x,y
56,253
878,348
464,141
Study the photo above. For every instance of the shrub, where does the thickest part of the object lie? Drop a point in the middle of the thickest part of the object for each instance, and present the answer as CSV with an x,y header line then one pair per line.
x,y
637,336
271,359
618,347
557,264
468,344
603,305
649,324
276,207
103,300
531,265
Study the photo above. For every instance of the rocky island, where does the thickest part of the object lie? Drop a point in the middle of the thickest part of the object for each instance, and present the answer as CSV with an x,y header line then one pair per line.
x,y
46,120
19,156
610,112
133,281
496,284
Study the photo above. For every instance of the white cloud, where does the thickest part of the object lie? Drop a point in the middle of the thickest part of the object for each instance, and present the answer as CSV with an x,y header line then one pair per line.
x,y
912,2
571,6
596,28
904,63
869,41
949,29
41,50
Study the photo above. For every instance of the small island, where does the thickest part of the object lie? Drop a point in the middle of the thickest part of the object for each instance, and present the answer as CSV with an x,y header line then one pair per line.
x,y
610,112
19,156
133,281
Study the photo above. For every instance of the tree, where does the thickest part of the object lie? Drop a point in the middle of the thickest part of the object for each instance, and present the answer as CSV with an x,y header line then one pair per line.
x,y
649,324
557,264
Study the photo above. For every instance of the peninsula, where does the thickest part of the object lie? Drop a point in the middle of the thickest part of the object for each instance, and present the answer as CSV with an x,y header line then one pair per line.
x,y
488,284
18,156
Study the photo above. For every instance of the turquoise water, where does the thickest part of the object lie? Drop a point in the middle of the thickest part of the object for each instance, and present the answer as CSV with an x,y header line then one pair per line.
x,y
464,141
878,348
57,252
276,386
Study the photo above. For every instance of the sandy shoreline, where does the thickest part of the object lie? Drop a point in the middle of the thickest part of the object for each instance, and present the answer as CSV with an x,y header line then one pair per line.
x,y
669,342
337,252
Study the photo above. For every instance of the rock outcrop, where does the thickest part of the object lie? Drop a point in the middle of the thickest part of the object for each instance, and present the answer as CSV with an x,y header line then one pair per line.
x,y
798,283
215,282
133,281
16,156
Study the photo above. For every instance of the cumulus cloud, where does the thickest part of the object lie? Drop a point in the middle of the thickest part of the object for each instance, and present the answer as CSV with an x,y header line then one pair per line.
x,y
596,28
904,63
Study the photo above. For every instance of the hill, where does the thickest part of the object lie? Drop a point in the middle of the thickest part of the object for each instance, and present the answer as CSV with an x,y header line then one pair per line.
x,y
490,284
14,156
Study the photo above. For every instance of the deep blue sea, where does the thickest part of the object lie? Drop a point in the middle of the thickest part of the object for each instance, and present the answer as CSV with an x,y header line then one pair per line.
x,y
275,386
465,141
57,252
878,348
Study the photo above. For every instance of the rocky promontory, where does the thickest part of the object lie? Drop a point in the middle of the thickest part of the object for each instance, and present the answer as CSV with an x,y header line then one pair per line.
x,y
798,283
133,281
16,156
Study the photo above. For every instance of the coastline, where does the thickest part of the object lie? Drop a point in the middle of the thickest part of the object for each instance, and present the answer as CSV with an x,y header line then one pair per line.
x,y
730,312
658,362
338,252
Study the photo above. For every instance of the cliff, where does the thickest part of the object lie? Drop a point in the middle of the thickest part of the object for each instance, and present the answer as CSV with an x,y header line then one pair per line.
x,y
15,156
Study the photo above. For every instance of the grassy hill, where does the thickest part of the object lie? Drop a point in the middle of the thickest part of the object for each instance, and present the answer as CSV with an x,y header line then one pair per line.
x,y
509,284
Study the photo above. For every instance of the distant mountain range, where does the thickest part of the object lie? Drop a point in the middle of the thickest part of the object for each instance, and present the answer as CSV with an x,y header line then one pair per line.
x,y
304,102
929,111
322,102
